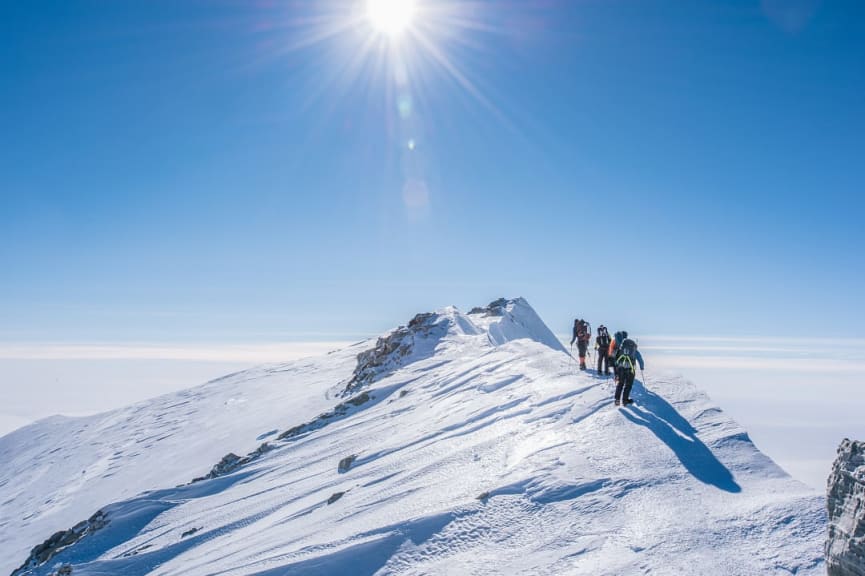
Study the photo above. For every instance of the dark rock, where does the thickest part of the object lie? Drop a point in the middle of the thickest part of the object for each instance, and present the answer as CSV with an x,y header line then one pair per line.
x,y
334,497
345,464
229,463
483,496
390,352
340,409
845,546
59,541
291,432
260,451
362,398
189,532
495,308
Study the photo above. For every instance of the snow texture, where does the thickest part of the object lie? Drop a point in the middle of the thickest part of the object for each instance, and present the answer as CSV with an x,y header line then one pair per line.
x,y
468,445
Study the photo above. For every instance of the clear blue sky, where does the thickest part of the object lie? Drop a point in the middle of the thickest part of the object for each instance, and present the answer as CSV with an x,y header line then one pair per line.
x,y
227,170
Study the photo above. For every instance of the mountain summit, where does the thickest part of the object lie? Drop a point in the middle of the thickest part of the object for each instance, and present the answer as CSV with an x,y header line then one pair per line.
x,y
460,443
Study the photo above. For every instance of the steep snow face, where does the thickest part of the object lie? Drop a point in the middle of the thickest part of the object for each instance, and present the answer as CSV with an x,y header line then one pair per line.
x,y
506,320
479,452
845,547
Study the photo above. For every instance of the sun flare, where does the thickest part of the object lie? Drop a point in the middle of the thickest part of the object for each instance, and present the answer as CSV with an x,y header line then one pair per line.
x,y
390,17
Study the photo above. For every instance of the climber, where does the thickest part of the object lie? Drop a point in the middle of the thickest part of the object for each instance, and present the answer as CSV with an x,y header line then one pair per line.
x,y
582,335
602,346
625,370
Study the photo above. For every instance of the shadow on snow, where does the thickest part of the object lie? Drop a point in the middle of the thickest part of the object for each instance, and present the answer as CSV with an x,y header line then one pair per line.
x,y
672,429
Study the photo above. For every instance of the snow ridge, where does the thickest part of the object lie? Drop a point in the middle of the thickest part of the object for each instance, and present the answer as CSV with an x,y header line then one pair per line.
x,y
476,449
502,321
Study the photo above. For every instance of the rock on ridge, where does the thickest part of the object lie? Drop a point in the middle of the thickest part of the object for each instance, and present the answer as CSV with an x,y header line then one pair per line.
x,y
395,349
502,320
845,546
60,541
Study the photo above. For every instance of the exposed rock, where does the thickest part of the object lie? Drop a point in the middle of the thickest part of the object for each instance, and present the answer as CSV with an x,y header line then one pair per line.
x,y
390,352
231,462
845,546
189,532
495,308
334,497
321,420
292,432
362,398
59,541
64,570
345,464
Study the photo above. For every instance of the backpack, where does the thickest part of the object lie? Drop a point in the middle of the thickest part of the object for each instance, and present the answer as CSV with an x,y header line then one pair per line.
x,y
603,337
627,354
620,337
584,332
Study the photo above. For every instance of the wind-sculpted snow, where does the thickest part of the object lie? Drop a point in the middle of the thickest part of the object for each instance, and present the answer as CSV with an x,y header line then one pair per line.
x,y
479,454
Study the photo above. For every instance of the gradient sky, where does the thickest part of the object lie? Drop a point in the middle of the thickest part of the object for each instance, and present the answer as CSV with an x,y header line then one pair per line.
x,y
231,171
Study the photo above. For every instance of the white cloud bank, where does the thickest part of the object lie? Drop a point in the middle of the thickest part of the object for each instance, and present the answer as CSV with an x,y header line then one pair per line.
x,y
252,353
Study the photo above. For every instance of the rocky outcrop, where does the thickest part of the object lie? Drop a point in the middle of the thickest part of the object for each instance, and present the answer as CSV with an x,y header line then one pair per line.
x,y
391,352
60,541
495,308
231,462
845,547
345,464
323,420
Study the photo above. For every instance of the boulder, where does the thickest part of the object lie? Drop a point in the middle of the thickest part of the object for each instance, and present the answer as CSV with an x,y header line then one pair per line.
x,y
845,546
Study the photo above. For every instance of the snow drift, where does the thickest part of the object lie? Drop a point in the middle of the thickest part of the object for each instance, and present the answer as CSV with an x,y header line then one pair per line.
x,y
457,444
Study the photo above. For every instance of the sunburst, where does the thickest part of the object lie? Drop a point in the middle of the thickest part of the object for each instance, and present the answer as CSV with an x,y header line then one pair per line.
x,y
407,51
391,17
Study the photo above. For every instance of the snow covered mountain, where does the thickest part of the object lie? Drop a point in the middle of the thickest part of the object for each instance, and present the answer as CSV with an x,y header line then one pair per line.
x,y
457,444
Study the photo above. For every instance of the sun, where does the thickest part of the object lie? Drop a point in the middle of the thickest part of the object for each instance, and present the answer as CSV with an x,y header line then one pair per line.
x,y
390,17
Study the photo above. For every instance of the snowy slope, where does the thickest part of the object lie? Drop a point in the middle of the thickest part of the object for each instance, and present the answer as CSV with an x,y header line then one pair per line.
x,y
468,446
57,472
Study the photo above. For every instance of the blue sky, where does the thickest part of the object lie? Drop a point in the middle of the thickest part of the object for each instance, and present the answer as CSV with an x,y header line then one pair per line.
x,y
202,171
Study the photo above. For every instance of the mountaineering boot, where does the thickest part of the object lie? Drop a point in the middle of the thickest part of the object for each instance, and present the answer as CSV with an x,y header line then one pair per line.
x,y
618,403
628,401
582,365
